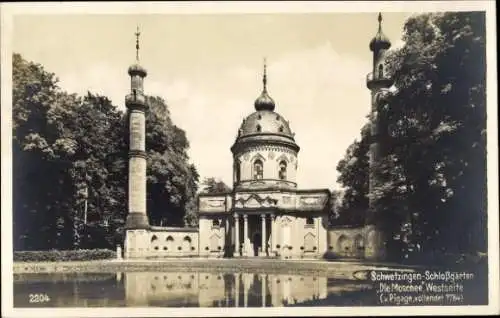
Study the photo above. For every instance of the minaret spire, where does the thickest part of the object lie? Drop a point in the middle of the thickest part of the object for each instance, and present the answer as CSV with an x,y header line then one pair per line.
x,y
137,34
264,101
379,22
264,77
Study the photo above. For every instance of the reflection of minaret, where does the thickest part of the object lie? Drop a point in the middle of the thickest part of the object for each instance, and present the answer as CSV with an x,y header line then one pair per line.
x,y
136,105
377,81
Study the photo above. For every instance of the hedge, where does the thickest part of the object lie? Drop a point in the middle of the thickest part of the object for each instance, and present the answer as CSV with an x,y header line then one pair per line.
x,y
60,256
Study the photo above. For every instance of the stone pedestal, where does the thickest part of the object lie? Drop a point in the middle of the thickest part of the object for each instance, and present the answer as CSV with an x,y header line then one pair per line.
x,y
137,243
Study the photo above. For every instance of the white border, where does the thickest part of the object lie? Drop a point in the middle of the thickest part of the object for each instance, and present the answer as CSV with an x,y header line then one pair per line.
x,y
10,9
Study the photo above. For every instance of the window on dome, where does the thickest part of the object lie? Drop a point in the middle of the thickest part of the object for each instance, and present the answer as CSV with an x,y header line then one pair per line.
x,y
282,171
380,71
259,128
281,128
258,169
237,171
260,116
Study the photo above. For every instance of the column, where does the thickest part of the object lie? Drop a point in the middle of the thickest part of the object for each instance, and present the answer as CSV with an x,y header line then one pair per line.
x,y
263,234
245,234
273,234
227,237
237,235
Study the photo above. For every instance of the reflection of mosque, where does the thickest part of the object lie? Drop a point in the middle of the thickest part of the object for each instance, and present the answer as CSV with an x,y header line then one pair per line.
x,y
191,289
221,290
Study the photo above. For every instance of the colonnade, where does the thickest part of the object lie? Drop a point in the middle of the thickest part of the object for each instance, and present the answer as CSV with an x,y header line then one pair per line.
x,y
243,249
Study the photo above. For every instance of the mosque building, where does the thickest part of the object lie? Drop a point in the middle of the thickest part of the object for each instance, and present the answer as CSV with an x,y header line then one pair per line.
x,y
265,214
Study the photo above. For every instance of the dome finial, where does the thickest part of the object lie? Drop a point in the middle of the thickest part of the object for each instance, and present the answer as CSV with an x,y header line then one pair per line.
x,y
264,101
137,34
380,41
136,69
264,77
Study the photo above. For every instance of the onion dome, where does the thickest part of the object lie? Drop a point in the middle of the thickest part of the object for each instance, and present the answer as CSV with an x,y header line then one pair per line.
x,y
137,69
264,101
265,125
380,41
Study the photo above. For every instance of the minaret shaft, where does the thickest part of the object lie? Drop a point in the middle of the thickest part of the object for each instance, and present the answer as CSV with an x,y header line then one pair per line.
x,y
377,80
136,107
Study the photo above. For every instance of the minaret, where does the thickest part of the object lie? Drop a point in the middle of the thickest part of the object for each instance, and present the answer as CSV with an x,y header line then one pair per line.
x,y
377,82
136,105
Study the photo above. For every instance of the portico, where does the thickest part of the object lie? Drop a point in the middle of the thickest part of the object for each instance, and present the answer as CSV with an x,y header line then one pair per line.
x,y
254,234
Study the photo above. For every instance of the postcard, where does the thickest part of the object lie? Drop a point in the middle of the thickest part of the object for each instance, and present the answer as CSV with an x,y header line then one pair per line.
x,y
249,159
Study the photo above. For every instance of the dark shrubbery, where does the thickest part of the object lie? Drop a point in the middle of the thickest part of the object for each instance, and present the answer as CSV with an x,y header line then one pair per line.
x,y
61,256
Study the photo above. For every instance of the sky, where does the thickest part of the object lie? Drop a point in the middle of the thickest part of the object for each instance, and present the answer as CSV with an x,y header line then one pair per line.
x,y
209,70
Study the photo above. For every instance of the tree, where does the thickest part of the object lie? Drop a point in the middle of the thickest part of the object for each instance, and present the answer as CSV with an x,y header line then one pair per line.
x,y
353,176
434,171
172,180
70,165
41,151
214,186
431,179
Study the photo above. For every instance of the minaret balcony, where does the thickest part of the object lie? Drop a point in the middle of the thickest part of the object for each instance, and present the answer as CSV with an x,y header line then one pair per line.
x,y
374,82
135,101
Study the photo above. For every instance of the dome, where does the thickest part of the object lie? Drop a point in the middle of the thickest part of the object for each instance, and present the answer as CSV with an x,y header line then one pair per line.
x,y
265,125
264,102
265,122
380,41
136,69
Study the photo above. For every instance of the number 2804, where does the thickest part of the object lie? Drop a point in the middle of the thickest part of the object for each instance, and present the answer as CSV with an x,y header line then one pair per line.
x,y
39,298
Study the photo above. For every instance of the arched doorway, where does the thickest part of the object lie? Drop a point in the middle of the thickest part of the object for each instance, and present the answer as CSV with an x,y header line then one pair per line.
x,y
256,242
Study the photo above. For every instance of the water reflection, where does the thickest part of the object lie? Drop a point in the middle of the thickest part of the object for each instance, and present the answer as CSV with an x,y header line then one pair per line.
x,y
177,289
222,290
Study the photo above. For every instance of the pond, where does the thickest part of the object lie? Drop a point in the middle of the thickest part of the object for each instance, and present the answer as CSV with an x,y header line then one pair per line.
x,y
189,289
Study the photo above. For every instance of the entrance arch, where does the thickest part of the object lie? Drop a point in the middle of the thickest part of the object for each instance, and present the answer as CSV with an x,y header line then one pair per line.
x,y
256,241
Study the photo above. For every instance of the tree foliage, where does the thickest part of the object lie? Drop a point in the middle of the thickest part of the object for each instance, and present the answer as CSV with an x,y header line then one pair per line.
x,y
213,186
432,193
70,165
353,176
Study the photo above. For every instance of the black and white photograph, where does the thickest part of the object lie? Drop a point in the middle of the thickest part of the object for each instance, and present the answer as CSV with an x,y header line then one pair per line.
x,y
249,158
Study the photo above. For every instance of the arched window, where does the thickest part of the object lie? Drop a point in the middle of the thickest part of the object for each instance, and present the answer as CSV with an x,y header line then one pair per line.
x,y
380,71
282,172
258,169
259,128
237,171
